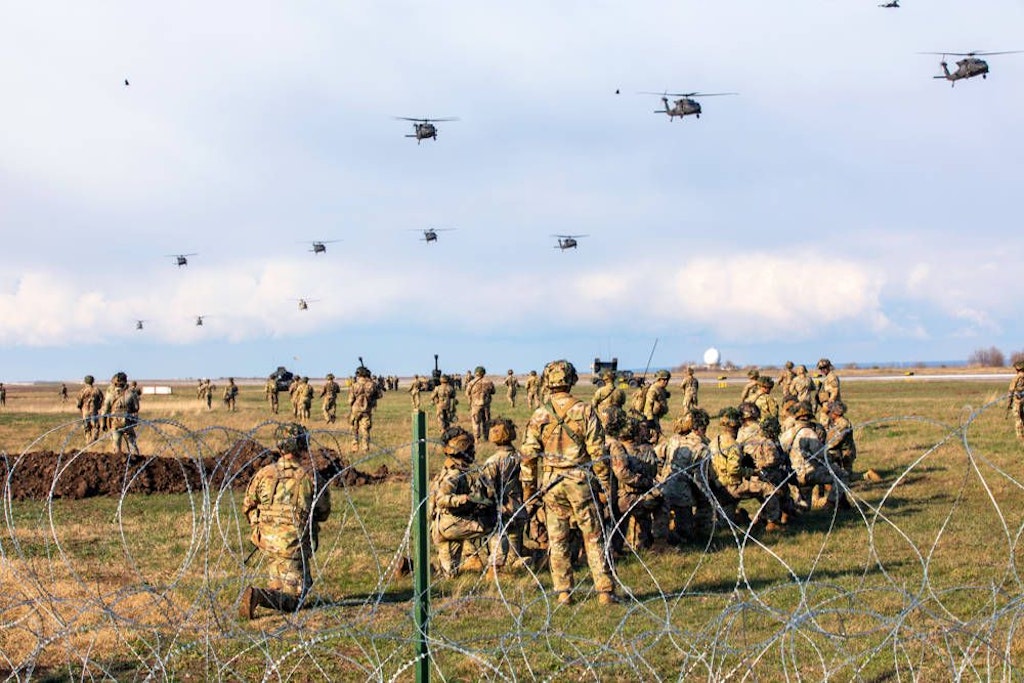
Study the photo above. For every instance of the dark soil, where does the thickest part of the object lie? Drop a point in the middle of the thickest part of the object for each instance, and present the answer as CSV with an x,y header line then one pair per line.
x,y
41,475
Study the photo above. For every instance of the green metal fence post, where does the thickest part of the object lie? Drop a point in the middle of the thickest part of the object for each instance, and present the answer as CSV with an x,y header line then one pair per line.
x,y
421,561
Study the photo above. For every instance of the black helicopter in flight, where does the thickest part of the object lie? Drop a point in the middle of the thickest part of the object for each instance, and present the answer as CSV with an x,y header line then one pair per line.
x,y
567,241
968,67
425,128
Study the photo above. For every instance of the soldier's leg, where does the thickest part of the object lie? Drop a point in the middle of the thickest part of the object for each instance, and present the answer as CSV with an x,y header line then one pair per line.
x,y
588,519
1019,421
557,512
365,425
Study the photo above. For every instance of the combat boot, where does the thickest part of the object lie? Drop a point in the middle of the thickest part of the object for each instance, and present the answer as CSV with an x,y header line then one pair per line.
x,y
247,604
608,598
565,598
774,527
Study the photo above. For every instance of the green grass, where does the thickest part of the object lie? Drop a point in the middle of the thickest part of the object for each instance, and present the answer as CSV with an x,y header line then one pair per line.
x,y
921,580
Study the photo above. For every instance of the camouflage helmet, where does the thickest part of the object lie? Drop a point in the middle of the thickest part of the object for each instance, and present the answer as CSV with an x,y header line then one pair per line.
x,y
692,420
330,375
559,374
663,374
836,408
801,369
458,443
292,438
824,363
533,372
1019,366
789,365
770,427
502,431
630,428
729,417
749,411
766,381
752,373
608,375
362,371
231,380
89,379
510,371
689,370
802,411
612,417
479,371
445,379
120,379
304,379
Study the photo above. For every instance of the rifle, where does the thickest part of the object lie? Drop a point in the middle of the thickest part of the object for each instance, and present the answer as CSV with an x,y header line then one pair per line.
x,y
648,366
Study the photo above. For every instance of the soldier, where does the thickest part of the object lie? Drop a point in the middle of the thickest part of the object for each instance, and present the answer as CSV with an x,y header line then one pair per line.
x,y
231,395
842,450
304,397
285,507
1015,400
656,398
803,443
803,387
750,388
501,482
63,394
210,388
362,399
121,411
444,401
679,456
329,393
784,381
511,388
828,389
90,400
3,395
459,511
532,385
466,379
737,475
270,392
608,394
414,392
479,391
200,389
293,395
563,455
690,387
634,479
763,398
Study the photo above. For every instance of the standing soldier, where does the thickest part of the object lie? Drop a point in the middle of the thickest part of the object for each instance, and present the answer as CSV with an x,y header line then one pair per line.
x,y
458,511
270,392
690,387
785,380
563,457
750,388
329,393
1015,401
501,479
532,385
285,508
656,398
63,394
231,394
511,388
608,394
768,406
479,391
304,394
828,389
362,399
121,408
3,395
200,389
293,394
210,388
90,400
414,392
444,401
803,387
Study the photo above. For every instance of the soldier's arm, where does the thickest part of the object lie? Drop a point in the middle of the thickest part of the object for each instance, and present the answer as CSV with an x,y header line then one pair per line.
x,y
593,439
446,497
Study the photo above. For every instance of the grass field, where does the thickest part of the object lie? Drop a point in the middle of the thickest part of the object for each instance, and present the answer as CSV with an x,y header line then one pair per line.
x,y
920,582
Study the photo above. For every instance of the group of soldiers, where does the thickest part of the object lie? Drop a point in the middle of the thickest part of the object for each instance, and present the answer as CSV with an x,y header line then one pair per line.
x,y
115,410
593,479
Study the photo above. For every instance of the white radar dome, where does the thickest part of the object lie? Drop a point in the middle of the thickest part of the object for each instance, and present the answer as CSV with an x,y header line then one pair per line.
x,y
712,356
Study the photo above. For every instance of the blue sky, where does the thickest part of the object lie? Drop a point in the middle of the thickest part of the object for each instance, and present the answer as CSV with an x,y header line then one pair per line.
x,y
845,204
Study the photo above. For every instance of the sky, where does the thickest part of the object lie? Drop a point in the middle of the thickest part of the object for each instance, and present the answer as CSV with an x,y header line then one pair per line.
x,y
843,204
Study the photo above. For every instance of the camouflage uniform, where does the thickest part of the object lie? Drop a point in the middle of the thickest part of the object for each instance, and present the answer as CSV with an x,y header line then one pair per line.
x,y
679,456
293,395
511,388
807,457
656,398
210,388
121,408
750,388
500,477
285,508
231,394
842,450
270,392
748,465
563,454
608,394
785,381
414,392
362,399
1015,401
63,394
458,510
690,386
479,391
828,389
90,400
3,394
803,387
444,401
635,471
329,393
763,398
532,385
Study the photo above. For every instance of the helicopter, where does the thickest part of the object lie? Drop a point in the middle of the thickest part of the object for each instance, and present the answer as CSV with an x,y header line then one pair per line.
x,y
430,234
894,4
181,259
304,303
685,105
968,67
424,128
138,324
199,320
320,246
567,241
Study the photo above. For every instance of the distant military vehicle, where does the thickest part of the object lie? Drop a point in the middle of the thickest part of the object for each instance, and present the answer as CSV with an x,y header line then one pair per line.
x,y
435,376
283,378
623,378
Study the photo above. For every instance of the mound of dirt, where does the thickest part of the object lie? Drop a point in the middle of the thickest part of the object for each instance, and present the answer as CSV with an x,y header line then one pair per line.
x,y
44,474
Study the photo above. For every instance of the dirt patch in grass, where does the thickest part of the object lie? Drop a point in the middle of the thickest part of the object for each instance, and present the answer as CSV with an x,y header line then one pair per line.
x,y
44,474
